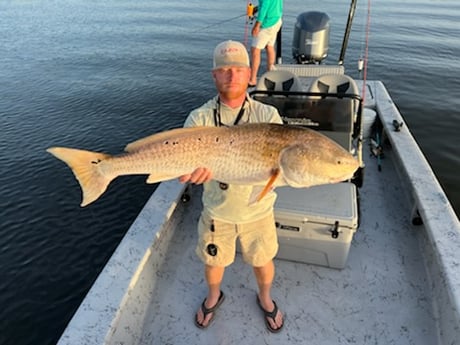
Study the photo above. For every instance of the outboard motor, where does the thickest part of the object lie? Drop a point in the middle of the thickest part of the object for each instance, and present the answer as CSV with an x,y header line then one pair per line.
x,y
310,44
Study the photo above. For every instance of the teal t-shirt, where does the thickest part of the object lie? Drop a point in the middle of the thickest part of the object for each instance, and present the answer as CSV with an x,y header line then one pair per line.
x,y
270,12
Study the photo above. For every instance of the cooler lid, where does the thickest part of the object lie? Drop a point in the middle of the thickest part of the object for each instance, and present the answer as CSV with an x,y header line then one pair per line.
x,y
319,204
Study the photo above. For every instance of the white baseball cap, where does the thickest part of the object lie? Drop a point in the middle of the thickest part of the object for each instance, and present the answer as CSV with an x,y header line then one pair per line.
x,y
230,53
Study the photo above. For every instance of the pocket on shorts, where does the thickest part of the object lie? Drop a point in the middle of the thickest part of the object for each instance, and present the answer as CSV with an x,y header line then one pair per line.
x,y
215,248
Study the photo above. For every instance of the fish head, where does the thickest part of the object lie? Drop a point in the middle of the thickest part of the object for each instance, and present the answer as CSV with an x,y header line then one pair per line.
x,y
309,165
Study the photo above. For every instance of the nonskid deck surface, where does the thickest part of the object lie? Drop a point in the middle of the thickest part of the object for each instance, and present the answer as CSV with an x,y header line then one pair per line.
x,y
381,296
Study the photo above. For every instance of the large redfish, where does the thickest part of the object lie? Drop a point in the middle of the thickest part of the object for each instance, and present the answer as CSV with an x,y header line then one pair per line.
x,y
262,154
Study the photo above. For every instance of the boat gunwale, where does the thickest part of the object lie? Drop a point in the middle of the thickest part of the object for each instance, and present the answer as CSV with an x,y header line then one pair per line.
x,y
96,319
430,202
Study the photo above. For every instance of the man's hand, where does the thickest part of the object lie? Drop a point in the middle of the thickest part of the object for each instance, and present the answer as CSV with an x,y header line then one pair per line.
x,y
256,29
199,176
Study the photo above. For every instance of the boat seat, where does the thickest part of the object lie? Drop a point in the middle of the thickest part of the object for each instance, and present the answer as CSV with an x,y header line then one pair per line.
x,y
335,84
279,81
335,112
339,86
330,112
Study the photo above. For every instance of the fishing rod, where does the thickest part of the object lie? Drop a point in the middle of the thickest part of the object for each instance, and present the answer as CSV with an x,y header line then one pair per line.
x,y
220,22
250,14
251,11
351,14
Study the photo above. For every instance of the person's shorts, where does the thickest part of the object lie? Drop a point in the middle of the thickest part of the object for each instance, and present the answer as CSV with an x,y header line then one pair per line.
x,y
266,37
258,240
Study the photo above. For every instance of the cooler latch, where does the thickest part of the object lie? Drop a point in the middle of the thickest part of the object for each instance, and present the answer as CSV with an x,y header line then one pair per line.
x,y
335,230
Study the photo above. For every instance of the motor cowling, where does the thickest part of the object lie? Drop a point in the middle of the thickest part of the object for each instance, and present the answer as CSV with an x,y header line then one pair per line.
x,y
310,43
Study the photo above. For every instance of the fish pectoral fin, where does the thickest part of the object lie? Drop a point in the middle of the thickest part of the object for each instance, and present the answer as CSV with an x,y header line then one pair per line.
x,y
258,192
154,178
291,166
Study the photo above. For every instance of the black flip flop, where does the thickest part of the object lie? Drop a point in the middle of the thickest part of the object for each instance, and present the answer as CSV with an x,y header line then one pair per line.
x,y
207,311
272,315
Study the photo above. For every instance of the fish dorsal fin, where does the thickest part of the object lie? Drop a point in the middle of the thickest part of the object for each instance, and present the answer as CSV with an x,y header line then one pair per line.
x,y
167,135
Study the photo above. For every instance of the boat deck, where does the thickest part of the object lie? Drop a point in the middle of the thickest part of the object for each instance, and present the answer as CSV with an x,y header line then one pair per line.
x,y
382,296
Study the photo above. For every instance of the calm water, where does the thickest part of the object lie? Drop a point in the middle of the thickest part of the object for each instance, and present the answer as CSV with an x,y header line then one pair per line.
x,y
99,74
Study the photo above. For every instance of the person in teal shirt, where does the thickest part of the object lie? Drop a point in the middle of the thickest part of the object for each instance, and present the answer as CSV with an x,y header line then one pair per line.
x,y
264,34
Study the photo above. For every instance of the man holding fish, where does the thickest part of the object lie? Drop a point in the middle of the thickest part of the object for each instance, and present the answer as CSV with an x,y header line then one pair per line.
x,y
240,150
227,214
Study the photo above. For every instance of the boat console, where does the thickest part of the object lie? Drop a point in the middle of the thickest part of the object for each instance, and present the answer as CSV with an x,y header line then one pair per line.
x,y
316,225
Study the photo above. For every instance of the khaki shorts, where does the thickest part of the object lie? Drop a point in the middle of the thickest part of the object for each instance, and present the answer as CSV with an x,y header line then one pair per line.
x,y
258,240
266,37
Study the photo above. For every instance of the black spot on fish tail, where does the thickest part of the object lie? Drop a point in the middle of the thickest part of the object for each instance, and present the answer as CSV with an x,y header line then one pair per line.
x,y
96,161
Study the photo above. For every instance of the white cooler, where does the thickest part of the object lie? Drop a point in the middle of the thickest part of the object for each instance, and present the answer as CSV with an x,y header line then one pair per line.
x,y
316,225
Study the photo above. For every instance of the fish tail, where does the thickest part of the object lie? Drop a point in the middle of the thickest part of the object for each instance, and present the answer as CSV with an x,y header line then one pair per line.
x,y
85,166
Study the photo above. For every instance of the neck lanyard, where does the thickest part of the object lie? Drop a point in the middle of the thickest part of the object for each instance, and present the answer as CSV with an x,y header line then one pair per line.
x,y
218,120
